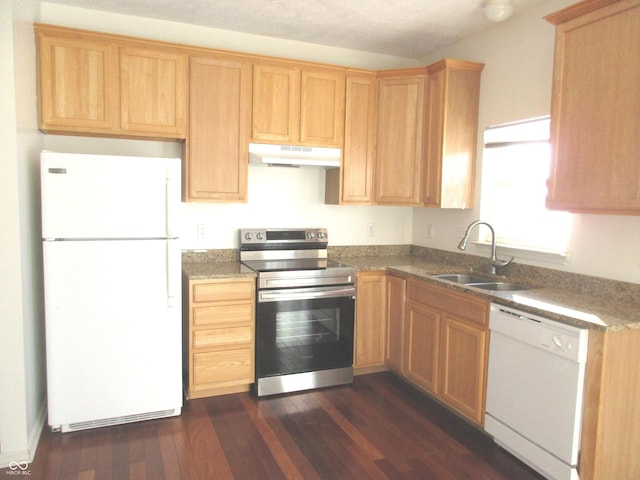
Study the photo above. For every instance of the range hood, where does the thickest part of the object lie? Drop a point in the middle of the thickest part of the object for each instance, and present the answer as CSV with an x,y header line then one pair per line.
x,y
293,156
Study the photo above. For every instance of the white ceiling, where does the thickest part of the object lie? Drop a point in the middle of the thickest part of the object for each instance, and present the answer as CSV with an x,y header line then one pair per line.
x,y
403,28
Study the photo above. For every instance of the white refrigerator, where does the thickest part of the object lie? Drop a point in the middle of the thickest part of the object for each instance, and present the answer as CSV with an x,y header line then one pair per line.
x,y
112,278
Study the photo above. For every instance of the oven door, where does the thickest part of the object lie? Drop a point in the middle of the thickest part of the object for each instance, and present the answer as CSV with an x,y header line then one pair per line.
x,y
304,330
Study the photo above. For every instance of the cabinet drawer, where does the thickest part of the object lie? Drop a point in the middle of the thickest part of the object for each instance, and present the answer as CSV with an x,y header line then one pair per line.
x,y
223,291
222,314
459,304
223,367
220,337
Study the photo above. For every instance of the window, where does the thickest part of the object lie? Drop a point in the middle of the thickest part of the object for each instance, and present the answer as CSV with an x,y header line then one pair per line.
x,y
515,168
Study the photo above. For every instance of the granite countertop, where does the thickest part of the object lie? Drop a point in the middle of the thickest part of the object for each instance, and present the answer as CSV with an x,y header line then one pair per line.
x,y
583,301
587,310
210,270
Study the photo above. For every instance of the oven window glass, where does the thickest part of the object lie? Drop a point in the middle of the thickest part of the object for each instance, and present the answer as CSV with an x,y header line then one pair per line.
x,y
304,335
296,328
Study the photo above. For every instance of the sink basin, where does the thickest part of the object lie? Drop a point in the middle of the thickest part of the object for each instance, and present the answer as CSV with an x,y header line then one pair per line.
x,y
480,281
461,278
499,286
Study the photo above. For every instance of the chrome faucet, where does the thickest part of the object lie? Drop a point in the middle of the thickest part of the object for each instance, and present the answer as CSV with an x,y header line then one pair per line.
x,y
494,262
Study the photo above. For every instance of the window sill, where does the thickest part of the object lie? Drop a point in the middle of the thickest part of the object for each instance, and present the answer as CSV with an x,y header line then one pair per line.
x,y
526,255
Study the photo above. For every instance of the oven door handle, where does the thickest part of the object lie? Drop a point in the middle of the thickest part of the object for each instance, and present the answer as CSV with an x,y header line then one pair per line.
x,y
305,294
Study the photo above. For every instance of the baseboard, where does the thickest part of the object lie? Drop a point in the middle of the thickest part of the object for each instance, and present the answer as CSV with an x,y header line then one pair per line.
x,y
370,369
26,456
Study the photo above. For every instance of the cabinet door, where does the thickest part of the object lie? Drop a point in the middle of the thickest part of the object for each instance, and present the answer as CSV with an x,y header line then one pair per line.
x,y
322,108
219,111
276,103
453,91
370,319
78,85
463,358
595,106
399,140
421,346
396,288
153,91
356,186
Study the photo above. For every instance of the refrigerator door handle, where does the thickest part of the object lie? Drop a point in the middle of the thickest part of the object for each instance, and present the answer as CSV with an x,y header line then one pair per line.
x,y
171,185
171,294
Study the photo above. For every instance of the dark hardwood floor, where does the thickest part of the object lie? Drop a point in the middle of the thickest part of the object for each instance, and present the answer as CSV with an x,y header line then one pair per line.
x,y
378,428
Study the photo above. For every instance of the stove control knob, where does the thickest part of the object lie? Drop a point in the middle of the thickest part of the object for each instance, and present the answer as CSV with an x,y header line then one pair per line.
x,y
248,236
311,235
321,235
259,236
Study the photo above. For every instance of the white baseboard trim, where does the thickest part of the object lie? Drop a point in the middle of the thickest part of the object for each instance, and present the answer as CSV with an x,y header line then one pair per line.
x,y
27,456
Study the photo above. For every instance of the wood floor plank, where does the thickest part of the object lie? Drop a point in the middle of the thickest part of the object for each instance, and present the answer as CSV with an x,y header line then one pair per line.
x,y
378,428
152,454
169,455
208,454
120,452
175,430
104,454
356,436
286,464
289,444
248,455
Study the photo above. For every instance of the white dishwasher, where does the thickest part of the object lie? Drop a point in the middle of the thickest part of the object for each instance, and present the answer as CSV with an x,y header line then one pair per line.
x,y
535,386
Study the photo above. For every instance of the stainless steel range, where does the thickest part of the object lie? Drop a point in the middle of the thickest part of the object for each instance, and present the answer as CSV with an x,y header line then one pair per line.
x,y
304,311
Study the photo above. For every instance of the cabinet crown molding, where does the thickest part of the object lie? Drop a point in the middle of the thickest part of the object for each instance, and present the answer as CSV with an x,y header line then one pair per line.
x,y
585,7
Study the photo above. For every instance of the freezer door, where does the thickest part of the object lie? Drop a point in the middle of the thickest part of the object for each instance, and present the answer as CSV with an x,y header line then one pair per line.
x,y
113,332
97,196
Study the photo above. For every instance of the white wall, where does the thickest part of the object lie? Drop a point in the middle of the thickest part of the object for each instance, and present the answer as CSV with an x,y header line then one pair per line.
x,y
22,341
214,38
516,84
277,196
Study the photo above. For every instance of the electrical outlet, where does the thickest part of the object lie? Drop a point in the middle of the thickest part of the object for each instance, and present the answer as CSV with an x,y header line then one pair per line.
x,y
371,229
203,231
431,231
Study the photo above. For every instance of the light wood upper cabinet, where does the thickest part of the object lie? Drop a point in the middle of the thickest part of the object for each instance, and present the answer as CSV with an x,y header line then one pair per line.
x,y
153,91
451,132
79,84
352,183
276,103
98,84
398,168
217,145
322,107
298,105
595,119
370,324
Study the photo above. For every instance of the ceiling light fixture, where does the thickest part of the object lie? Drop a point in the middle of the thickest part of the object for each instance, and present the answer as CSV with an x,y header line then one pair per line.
x,y
498,10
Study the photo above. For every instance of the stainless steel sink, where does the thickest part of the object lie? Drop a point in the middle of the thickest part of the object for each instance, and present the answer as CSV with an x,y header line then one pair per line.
x,y
499,286
461,278
480,281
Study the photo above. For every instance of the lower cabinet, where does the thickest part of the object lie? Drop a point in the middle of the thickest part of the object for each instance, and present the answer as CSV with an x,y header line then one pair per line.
x,y
370,323
445,346
395,306
220,337
422,345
